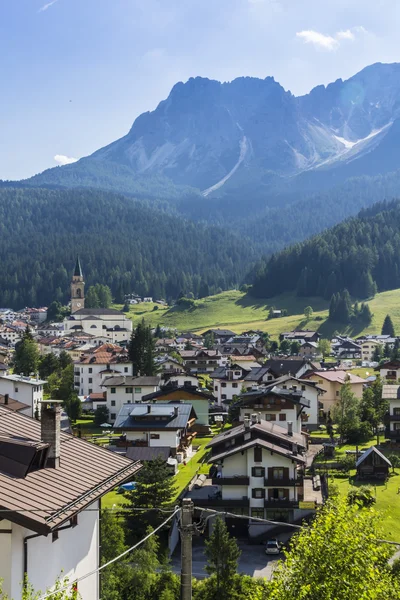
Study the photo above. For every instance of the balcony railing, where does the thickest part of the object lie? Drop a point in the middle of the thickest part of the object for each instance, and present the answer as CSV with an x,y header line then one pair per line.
x,y
274,482
219,502
392,434
280,503
234,480
392,418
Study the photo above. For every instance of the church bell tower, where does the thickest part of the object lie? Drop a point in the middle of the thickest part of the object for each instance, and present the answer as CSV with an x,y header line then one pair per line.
x,y
77,288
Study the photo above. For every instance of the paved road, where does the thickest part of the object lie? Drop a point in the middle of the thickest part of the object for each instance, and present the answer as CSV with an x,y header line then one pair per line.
x,y
313,449
253,560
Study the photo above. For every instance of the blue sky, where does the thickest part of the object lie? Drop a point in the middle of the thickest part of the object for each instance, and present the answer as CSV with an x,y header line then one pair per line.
x,y
76,73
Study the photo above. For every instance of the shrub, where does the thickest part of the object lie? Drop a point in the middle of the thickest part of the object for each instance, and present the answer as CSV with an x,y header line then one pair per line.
x,y
363,496
347,463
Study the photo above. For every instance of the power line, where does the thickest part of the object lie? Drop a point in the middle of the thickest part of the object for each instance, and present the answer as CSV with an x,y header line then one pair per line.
x,y
113,560
108,508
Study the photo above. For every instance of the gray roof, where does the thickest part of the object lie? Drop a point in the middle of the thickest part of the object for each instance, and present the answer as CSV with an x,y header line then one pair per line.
x,y
371,450
147,453
256,373
263,444
161,416
267,427
131,381
97,311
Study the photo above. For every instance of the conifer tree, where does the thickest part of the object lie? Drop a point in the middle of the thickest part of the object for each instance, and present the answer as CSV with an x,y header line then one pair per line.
x,y
388,327
222,554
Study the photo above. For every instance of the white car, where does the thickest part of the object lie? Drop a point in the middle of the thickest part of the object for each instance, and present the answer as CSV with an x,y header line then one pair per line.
x,y
272,547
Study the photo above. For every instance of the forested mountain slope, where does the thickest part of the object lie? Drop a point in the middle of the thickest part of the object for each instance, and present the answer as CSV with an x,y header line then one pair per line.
x,y
361,254
126,244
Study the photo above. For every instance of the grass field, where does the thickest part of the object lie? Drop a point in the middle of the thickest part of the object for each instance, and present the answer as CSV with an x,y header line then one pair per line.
x,y
236,311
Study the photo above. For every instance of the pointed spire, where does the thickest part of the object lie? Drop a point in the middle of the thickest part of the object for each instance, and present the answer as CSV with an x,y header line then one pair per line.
x,y
78,268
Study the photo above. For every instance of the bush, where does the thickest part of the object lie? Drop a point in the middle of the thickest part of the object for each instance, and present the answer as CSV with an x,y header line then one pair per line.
x,y
156,307
363,496
185,302
347,463
363,433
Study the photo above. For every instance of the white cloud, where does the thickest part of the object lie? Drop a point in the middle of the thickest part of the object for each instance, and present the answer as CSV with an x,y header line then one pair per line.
x,y
47,6
328,42
61,159
318,39
345,35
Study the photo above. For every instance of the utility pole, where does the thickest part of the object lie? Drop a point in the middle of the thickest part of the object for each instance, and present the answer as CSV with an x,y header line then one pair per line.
x,y
186,548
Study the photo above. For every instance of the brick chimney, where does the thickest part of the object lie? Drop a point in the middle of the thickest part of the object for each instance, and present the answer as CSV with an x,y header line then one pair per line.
x,y
50,420
6,397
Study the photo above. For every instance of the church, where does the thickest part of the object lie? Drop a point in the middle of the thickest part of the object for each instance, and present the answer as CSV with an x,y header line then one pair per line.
x,y
107,323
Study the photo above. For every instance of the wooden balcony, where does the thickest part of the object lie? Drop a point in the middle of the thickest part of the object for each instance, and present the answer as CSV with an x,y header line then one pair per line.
x,y
392,418
392,434
269,503
220,503
283,482
234,480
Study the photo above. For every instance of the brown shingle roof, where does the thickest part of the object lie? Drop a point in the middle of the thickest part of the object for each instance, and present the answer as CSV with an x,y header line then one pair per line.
x,y
85,474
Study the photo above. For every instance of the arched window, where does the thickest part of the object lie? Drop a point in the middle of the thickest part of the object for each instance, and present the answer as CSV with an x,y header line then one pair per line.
x,y
79,293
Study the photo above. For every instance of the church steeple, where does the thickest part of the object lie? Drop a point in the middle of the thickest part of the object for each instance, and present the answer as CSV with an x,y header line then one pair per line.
x,y
77,288
78,268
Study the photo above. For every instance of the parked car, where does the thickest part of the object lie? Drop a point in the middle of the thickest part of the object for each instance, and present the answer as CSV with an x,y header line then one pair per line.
x,y
272,547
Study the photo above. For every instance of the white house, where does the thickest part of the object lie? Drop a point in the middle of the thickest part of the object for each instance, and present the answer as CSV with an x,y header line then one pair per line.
x,y
28,390
92,370
228,382
390,370
158,425
107,322
259,471
392,419
122,389
187,393
50,501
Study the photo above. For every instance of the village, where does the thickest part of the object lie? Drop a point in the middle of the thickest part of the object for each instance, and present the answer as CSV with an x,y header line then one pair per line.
x,y
263,430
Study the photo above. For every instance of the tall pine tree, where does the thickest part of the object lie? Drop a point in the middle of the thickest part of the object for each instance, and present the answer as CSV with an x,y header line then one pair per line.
x,y
388,327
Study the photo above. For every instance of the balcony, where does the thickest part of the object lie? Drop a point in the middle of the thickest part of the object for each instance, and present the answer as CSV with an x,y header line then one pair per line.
x,y
286,481
219,502
392,418
392,434
234,480
281,503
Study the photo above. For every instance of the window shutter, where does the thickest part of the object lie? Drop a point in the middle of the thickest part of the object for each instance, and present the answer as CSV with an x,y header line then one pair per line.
x,y
270,472
286,472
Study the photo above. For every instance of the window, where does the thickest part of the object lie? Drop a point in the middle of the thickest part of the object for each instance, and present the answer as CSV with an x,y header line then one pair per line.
x,y
337,393
258,493
238,373
257,454
223,384
320,381
258,472
223,396
284,387
270,417
16,389
138,390
112,391
303,387
113,415
234,385
216,388
154,436
277,472
129,390
396,412
282,416
125,369
129,402
90,380
112,402
90,390
90,370
81,369
269,378
258,513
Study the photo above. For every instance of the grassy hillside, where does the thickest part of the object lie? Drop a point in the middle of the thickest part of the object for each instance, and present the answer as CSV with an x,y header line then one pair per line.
x,y
236,311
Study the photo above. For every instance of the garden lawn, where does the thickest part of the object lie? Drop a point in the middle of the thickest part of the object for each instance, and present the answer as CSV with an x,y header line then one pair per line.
x,y
387,502
188,471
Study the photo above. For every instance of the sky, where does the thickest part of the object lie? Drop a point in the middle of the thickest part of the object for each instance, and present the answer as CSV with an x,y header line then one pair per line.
x,y
76,73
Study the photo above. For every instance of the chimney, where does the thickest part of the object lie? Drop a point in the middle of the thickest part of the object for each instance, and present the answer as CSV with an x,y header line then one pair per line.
x,y
148,409
6,397
290,428
246,423
175,411
253,418
50,420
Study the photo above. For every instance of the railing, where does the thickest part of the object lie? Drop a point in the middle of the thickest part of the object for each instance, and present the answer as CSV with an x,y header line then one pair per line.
x,y
392,433
219,502
234,480
285,481
281,503
392,418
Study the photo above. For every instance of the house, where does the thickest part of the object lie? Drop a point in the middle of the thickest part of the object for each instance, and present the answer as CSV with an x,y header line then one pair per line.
x,y
297,367
122,389
168,367
221,336
300,336
28,390
275,405
391,393
368,348
246,361
332,381
15,405
188,394
259,471
93,368
309,349
201,361
155,425
347,348
228,382
93,401
389,370
51,484
372,464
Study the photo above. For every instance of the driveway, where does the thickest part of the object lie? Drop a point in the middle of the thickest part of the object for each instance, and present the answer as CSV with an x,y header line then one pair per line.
x,y
253,560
